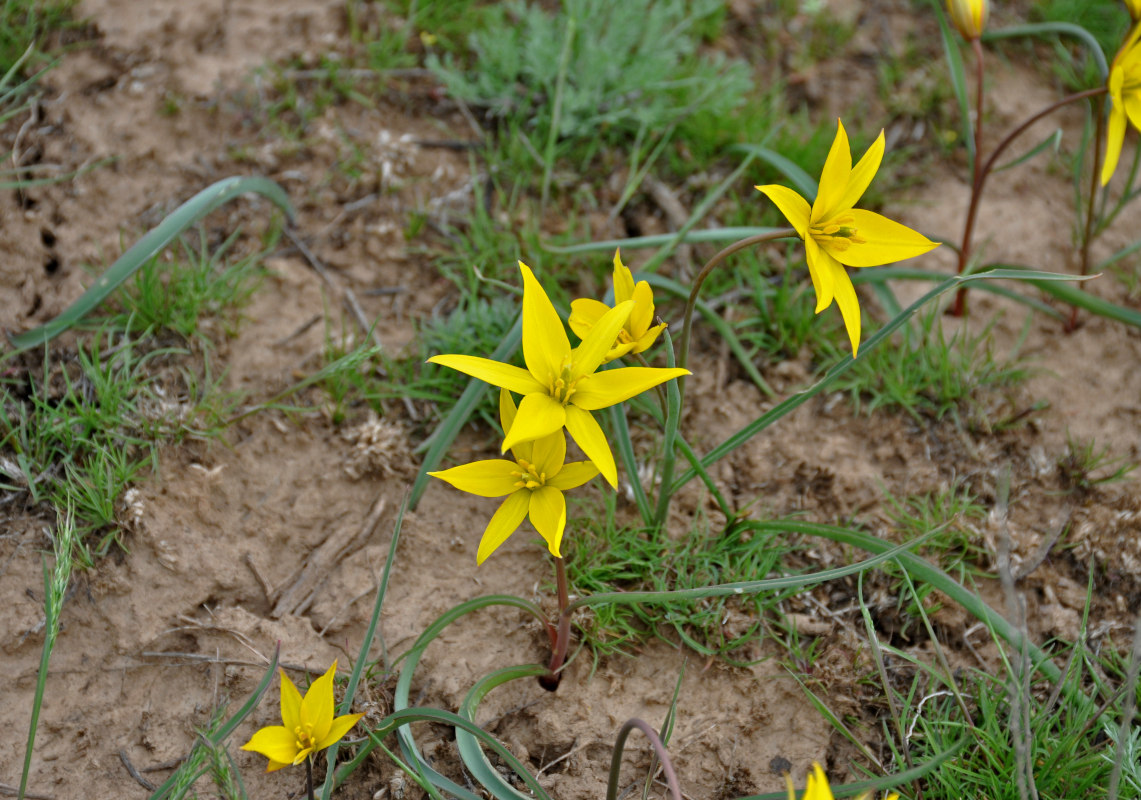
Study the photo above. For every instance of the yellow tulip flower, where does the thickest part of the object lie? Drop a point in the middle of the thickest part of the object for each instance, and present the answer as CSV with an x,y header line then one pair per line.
x,y
969,16
561,386
817,788
308,725
836,235
1124,98
533,483
636,335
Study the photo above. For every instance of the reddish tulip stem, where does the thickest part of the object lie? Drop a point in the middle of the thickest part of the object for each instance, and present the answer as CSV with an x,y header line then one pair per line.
x,y
561,643
1087,237
977,178
309,776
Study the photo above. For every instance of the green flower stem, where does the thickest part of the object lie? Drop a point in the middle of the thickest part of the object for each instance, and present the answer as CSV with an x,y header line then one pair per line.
x,y
659,750
980,182
691,303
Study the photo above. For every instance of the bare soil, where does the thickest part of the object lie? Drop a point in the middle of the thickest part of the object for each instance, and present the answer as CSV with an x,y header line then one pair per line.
x,y
156,637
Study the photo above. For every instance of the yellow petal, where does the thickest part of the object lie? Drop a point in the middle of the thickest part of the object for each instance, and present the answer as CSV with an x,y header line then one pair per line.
x,y
646,340
623,280
506,410
791,788
886,241
863,173
585,314
603,389
548,513
539,415
818,788
496,373
491,478
573,475
1132,103
643,313
794,207
504,522
290,703
341,725
819,270
317,707
589,436
588,355
274,766
545,343
549,453
276,742
849,306
1114,138
834,177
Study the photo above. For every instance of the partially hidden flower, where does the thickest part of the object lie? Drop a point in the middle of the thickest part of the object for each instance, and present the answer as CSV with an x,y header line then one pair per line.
x,y
637,335
969,16
560,385
1124,98
533,481
836,235
1134,7
817,788
308,725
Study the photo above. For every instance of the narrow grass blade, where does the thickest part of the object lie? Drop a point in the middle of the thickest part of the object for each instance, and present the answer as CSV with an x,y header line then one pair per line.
x,y
659,239
467,743
803,182
669,437
151,245
625,449
1083,300
215,739
366,642
958,75
1044,29
794,401
878,275
441,439
1052,142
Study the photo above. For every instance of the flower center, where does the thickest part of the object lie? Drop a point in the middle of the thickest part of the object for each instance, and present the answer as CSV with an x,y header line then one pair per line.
x,y
562,386
528,475
304,734
839,232
625,337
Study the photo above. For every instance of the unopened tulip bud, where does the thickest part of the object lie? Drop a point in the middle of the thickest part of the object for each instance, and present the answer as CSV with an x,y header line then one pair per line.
x,y
969,16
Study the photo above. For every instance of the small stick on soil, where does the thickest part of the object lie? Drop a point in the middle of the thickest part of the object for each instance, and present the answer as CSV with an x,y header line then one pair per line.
x,y
309,324
134,773
362,320
307,254
262,582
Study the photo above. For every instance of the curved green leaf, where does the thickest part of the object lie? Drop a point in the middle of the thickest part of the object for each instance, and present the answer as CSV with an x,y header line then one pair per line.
x,y
151,245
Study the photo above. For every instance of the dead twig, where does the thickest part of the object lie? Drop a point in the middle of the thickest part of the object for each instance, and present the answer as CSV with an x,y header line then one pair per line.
x,y
134,773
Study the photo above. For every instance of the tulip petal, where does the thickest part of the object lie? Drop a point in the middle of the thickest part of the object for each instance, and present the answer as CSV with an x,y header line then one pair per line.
x,y
588,355
585,314
643,313
545,343
548,512
341,725
506,410
317,707
834,177
794,207
646,340
573,475
504,522
549,453
496,373
492,478
539,415
604,389
275,742
589,436
290,703
886,241
818,269
849,306
862,174
623,280
1114,138
274,766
